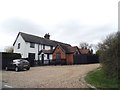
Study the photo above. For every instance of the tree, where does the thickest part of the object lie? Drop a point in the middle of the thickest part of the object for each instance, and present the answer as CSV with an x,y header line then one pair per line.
x,y
9,49
85,45
98,52
110,54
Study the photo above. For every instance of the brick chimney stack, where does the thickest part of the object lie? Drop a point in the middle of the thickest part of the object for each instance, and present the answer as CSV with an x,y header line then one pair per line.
x,y
47,36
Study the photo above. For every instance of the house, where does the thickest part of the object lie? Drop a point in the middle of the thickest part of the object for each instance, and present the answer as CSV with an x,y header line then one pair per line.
x,y
44,50
65,52
35,47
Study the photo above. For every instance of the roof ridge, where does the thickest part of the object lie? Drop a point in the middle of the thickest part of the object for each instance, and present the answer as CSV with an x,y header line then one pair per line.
x,y
32,35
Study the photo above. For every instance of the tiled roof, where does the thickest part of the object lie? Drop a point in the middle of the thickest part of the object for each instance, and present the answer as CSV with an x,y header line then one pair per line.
x,y
39,40
69,49
73,49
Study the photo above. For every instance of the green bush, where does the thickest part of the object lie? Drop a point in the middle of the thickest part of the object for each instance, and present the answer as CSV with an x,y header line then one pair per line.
x,y
110,54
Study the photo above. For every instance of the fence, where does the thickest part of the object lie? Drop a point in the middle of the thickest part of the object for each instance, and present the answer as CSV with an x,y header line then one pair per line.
x,y
7,57
86,59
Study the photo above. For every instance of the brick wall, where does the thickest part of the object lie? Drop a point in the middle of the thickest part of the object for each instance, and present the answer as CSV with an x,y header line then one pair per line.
x,y
58,49
68,57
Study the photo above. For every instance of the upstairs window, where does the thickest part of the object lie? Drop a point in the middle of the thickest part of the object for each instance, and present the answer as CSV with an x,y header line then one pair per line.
x,y
32,45
18,45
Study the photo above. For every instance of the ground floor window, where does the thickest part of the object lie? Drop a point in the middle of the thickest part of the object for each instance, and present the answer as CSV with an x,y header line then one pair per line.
x,y
58,55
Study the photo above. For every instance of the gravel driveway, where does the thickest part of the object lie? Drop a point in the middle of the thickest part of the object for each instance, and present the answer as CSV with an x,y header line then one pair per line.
x,y
68,76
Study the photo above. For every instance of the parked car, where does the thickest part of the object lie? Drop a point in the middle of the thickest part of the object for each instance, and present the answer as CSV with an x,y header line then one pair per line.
x,y
18,64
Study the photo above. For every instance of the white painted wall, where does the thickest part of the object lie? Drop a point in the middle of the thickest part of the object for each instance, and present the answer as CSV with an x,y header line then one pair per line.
x,y
47,48
32,50
50,56
25,49
22,46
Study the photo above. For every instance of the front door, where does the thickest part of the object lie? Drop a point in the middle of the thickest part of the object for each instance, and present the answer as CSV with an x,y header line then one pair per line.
x,y
31,58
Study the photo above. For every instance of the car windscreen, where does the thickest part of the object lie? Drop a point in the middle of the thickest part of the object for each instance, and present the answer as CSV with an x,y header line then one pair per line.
x,y
20,60
23,61
17,60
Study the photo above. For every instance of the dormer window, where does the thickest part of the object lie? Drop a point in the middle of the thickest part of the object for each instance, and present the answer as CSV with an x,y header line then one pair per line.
x,y
18,45
32,45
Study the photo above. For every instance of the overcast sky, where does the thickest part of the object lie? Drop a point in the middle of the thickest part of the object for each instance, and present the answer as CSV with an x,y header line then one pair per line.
x,y
69,21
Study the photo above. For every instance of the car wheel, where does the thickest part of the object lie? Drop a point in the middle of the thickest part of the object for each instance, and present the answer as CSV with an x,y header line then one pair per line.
x,y
16,69
28,68
6,68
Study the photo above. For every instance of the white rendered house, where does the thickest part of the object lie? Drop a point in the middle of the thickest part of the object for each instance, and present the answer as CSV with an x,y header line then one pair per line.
x,y
37,48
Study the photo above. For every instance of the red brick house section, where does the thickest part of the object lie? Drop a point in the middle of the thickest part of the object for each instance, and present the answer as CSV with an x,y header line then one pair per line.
x,y
66,52
69,58
58,49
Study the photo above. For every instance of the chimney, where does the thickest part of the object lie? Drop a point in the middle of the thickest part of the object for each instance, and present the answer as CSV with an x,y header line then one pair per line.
x,y
47,36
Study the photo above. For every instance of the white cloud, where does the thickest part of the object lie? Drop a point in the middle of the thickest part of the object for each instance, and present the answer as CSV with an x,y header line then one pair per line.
x,y
69,21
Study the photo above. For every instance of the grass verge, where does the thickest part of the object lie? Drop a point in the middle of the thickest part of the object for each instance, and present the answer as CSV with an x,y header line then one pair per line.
x,y
100,80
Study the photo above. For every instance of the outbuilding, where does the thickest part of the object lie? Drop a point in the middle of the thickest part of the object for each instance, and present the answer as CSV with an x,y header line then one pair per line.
x,y
64,52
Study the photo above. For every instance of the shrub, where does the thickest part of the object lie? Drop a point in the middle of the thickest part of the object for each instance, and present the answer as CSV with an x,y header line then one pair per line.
x,y
110,54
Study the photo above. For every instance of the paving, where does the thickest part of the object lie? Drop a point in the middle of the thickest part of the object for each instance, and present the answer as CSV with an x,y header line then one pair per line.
x,y
67,76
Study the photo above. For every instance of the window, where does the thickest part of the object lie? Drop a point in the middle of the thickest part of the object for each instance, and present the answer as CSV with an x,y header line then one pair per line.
x,y
18,45
43,46
58,55
32,45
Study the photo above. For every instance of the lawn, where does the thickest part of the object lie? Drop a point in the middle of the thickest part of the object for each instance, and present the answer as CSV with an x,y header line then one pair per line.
x,y
100,80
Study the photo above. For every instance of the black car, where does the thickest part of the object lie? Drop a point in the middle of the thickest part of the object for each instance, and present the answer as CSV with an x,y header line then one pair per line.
x,y
18,64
